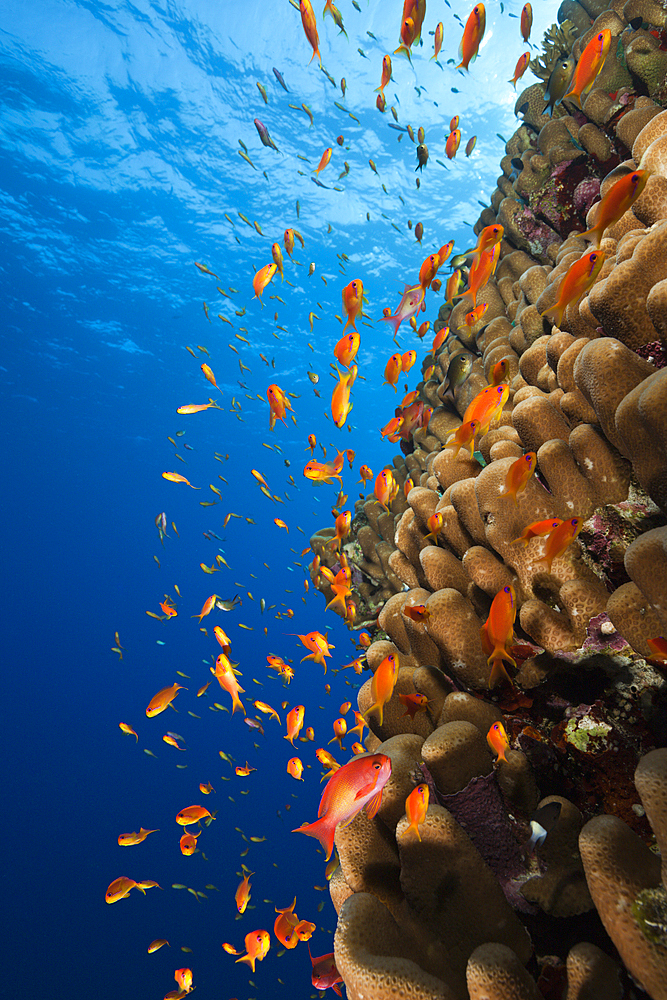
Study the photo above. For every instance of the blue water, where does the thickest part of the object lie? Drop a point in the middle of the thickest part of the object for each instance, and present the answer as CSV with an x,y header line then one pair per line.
x,y
118,161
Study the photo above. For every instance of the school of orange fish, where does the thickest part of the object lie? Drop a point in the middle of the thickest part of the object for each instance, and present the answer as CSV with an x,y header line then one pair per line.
x,y
358,783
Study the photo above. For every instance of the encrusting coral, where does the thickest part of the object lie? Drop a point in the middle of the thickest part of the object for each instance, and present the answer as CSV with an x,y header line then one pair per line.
x,y
474,906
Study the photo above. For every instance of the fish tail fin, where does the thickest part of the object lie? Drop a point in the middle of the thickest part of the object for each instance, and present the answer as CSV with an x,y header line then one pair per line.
x,y
248,959
323,830
573,96
498,671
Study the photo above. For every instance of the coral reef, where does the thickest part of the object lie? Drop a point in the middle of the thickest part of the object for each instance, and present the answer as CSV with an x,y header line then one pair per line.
x,y
468,911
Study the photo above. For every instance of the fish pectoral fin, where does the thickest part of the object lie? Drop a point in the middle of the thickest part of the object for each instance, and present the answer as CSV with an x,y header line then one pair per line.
x,y
374,805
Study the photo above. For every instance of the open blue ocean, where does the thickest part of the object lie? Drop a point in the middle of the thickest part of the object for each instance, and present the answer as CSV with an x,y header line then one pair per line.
x,y
122,126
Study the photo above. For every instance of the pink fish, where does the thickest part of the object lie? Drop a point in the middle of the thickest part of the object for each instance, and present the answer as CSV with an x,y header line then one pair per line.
x,y
325,973
410,304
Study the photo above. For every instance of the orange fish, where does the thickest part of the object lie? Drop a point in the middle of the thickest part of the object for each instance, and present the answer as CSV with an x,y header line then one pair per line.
x,y
589,65
340,398
474,316
321,472
318,646
183,979
416,612
452,287
520,68
209,604
191,814
428,270
464,437
278,404
496,634
261,279
265,709
227,681
658,647
129,839
518,475
499,372
454,123
326,156
208,374
488,238
486,406
285,925
579,278
413,703
437,41
393,370
242,894
343,522
497,740
472,36
281,524
416,806
243,772
356,784
366,473
440,338
353,302
386,74
382,685
175,477
294,722
392,429
559,538
340,729
434,525
295,768
257,943
325,975
119,889
384,487
310,28
526,22
312,441
223,639
188,843
537,530
480,271
618,199
197,407
168,608
162,700
128,729
346,349
453,143
207,788
288,240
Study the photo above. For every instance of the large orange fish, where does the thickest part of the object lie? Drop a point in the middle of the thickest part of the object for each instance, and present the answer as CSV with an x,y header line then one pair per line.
x,y
356,784
618,199
288,240
242,895
310,28
278,404
294,722
560,537
518,475
285,925
393,370
578,280
480,271
537,530
382,685
129,839
486,406
416,807
162,700
464,437
119,889
590,63
319,648
526,22
472,35
384,487
262,279
228,682
520,68
257,943
326,156
453,143
496,634
353,302
386,73
346,349
340,397
191,814
325,974
324,472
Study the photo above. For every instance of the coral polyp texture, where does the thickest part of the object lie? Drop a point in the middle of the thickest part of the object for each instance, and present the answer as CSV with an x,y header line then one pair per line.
x,y
529,596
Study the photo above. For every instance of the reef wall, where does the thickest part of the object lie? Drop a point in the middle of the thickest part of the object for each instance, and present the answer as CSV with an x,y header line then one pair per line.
x,y
465,912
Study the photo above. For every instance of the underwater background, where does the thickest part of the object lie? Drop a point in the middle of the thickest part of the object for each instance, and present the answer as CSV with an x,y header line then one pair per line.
x,y
121,128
